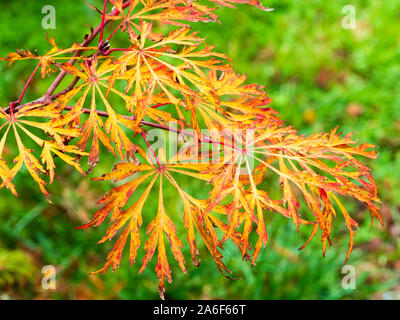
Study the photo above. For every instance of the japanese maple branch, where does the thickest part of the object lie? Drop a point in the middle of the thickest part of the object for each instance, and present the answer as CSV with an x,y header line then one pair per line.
x,y
88,40
49,96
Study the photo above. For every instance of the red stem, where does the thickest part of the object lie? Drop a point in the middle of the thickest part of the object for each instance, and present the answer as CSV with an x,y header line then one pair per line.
x,y
12,105
87,64
113,33
159,105
27,84
151,149
103,19
117,49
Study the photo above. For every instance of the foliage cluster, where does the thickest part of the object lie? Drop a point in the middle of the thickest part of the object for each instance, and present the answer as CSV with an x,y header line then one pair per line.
x,y
177,82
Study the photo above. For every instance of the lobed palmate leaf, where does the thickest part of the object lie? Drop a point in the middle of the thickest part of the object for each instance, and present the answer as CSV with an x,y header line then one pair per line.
x,y
20,125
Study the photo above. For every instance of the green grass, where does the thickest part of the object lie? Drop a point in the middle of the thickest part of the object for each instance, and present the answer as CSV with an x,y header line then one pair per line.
x,y
314,70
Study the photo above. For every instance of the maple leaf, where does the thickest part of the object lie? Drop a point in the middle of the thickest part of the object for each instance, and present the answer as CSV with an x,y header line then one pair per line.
x,y
6,177
93,81
228,3
50,58
131,218
18,124
318,189
146,69
171,12
284,147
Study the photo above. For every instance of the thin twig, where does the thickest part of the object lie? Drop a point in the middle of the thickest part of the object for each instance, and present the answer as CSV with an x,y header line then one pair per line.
x,y
27,84
151,149
103,18
113,33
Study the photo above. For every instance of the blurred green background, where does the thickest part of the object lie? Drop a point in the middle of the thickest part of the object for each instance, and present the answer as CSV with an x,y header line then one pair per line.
x,y
319,76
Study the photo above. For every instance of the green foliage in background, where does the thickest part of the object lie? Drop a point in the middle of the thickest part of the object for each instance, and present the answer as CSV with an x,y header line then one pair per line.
x,y
16,269
319,76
